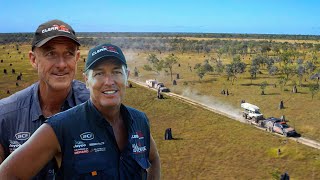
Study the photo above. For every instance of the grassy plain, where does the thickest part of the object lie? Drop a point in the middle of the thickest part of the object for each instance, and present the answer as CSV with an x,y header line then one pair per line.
x,y
300,109
207,145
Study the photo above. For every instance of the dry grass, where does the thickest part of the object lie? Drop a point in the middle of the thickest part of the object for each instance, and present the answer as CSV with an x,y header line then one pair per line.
x,y
210,146
300,109
207,145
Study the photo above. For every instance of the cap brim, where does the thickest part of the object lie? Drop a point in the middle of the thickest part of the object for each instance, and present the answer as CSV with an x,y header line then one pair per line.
x,y
100,59
41,43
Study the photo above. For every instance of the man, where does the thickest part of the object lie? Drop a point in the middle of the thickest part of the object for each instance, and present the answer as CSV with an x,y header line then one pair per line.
x,y
101,138
54,55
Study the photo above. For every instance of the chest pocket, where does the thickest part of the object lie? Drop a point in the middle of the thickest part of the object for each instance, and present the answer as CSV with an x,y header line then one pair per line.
x,y
94,166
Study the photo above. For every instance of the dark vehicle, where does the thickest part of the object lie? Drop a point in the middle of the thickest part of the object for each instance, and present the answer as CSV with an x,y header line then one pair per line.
x,y
164,89
279,126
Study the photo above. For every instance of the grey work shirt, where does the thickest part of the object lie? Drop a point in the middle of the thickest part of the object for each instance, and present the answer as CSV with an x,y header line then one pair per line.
x,y
21,115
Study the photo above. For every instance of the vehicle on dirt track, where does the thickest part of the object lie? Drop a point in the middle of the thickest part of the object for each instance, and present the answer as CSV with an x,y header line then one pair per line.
x,y
157,85
151,83
280,126
252,113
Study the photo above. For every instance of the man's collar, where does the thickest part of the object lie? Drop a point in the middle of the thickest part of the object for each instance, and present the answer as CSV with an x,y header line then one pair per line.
x,y
98,117
35,109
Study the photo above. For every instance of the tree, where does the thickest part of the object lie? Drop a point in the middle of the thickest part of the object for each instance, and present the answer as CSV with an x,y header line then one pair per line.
x,y
285,57
255,66
219,67
169,61
287,70
273,70
207,67
156,64
310,67
282,82
207,49
265,48
253,71
276,49
270,62
300,72
219,53
263,86
200,71
314,89
316,76
152,58
314,59
236,67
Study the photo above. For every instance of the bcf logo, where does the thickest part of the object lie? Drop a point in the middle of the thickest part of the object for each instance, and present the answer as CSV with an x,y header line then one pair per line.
x,y
22,135
87,136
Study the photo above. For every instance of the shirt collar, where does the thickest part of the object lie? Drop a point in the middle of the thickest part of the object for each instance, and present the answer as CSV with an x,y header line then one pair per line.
x,y
69,102
35,109
98,117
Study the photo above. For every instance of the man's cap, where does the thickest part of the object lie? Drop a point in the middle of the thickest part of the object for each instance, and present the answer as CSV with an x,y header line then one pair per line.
x,y
53,29
102,52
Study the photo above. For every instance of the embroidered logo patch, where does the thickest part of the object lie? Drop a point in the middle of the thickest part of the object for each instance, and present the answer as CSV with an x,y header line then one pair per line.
x,y
22,135
138,135
80,147
13,145
87,136
136,149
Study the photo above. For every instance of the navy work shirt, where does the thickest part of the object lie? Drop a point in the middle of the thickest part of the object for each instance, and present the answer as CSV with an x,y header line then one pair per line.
x,y
89,148
21,116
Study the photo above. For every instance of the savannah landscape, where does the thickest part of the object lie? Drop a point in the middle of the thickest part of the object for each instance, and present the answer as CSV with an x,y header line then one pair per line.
x,y
260,69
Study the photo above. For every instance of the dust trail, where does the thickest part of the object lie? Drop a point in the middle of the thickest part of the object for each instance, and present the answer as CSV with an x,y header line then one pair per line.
x,y
213,103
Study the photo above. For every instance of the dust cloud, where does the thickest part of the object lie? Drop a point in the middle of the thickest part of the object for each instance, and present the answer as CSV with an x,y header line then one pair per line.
x,y
213,103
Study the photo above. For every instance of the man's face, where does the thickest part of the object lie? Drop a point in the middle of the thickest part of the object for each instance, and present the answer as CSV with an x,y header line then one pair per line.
x,y
107,83
56,63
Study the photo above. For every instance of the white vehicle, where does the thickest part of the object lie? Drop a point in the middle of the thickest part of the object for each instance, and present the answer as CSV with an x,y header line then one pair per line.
x,y
151,83
157,85
251,111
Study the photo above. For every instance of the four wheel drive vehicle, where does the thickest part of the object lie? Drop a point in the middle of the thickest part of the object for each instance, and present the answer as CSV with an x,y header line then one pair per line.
x,y
157,85
164,89
151,83
272,119
251,111
281,127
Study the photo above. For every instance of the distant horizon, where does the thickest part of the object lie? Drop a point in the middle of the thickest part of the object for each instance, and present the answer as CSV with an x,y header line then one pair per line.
x,y
287,17
176,33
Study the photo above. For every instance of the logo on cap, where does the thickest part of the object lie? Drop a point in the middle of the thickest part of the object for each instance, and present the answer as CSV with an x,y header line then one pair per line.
x,y
56,28
105,48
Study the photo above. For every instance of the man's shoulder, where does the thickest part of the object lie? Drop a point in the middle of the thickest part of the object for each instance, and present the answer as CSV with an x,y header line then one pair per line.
x,y
70,114
78,84
17,100
80,91
136,114
133,110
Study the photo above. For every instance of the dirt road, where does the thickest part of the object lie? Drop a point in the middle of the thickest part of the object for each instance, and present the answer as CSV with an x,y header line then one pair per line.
x,y
234,115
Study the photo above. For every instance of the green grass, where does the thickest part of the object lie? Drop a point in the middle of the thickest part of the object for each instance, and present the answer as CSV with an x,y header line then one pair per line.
x,y
208,145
